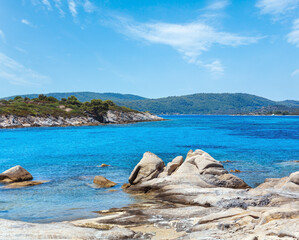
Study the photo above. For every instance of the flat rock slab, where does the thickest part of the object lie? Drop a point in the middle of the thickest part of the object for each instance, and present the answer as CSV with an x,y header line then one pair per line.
x,y
24,184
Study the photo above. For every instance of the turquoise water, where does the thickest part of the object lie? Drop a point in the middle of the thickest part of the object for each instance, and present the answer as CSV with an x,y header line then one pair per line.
x,y
261,147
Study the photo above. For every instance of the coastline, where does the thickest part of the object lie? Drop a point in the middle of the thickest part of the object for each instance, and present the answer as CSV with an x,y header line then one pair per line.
x,y
112,117
183,200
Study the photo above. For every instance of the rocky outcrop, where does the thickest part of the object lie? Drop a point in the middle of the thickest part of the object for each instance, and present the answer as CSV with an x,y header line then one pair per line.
x,y
213,205
198,199
198,170
12,121
18,177
15,174
127,117
103,182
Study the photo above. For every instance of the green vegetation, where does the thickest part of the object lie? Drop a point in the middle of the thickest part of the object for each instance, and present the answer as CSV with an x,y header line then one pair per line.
x,y
49,105
202,103
88,96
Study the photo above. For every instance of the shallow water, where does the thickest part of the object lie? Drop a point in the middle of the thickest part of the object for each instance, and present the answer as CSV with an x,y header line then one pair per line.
x,y
261,147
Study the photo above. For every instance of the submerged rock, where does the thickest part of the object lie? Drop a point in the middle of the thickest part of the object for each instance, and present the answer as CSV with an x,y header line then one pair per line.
x,y
15,174
103,182
104,165
24,184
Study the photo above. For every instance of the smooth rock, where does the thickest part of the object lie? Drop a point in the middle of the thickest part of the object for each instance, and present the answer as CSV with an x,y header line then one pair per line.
x,y
24,184
148,168
294,177
15,174
103,182
104,165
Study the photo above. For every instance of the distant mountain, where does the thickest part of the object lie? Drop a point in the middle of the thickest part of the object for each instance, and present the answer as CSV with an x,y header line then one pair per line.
x,y
201,103
290,103
87,96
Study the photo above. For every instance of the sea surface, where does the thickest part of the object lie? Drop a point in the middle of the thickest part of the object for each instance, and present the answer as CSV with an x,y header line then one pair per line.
x,y
261,147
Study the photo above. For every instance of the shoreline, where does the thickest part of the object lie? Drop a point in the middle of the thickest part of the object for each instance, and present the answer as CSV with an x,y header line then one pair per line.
x,y
111,117
83,125
191,198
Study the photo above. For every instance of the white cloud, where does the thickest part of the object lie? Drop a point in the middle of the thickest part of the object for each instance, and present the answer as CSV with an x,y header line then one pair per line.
x,y
17,74
2,36
276,7
88,6
25,21
72,7
295,73
189,39
218,5
58,5
47,4
215,67
293,36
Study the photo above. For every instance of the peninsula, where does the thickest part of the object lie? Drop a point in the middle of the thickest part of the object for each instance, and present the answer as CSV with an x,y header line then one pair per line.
x,y
44,111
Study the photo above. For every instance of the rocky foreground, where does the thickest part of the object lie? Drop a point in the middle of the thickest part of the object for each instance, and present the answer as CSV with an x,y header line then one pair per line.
x,y
13,121
192,198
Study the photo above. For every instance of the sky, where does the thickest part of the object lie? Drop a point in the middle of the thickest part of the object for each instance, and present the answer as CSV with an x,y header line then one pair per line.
x,y
150,48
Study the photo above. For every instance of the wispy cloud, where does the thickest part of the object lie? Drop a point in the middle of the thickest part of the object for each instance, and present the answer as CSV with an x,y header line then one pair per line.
x,y
2,36
190,39
276,7
58,5
47,4
218,5
293,36
25,21
215,67
72,7
17,74
88,6
295,73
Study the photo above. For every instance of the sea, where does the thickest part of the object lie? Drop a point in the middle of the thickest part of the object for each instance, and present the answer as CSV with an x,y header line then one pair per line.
x,y
69,157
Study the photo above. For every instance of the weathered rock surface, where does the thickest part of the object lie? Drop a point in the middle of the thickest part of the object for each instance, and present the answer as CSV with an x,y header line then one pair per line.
x,y
148,168
210,204
23,184
198,170
103,182
15,174
104,165
12,121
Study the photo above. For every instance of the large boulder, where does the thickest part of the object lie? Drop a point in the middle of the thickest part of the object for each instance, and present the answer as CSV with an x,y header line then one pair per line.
x,y
103,182
294,177
15,174
148,168
198,170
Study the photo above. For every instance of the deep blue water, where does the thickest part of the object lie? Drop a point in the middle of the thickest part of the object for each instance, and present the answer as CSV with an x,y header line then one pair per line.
x,y
261,147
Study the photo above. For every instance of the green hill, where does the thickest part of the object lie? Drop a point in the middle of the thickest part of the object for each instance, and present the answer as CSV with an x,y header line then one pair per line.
x,y
86,96
201,103
44,106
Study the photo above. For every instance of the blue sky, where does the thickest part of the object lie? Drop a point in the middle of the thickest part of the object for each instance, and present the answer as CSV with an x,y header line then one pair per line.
x,y
150,48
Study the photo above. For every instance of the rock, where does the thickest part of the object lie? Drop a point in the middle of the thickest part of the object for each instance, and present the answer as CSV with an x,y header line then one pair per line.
x,y
172,166
294,178
117,233
125,185
235,171
148,168
104,165
15,174
103,182
198,170
24,184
